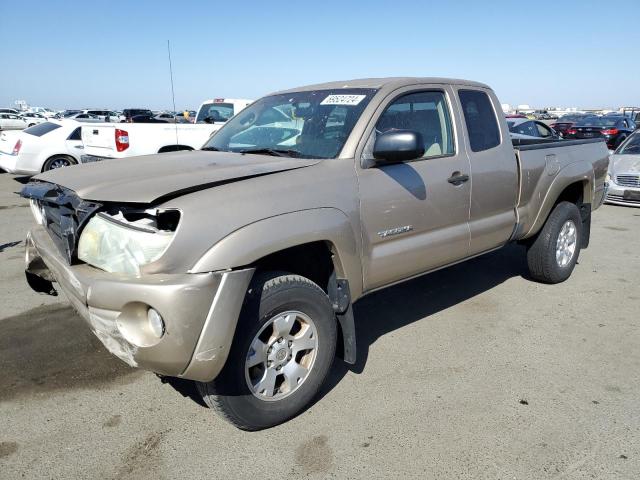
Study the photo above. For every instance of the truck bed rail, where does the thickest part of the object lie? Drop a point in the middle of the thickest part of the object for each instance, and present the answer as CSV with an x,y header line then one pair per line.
x,y
534,144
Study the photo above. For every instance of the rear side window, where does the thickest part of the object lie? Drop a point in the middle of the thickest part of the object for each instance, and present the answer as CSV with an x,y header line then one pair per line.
x,y
482,125
75,135
41,129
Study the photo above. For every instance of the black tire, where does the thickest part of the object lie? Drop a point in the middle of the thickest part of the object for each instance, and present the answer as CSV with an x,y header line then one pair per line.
x,y
51,163
269,294
541,252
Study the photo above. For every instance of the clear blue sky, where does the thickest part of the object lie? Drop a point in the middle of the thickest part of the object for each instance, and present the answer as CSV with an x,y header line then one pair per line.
x,y
113,54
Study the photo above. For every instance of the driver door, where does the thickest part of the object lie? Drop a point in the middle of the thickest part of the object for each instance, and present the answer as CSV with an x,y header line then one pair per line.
x,y
414,215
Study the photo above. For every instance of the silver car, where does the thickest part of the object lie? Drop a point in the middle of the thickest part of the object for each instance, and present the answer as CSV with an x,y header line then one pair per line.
x,y
624,173
85,117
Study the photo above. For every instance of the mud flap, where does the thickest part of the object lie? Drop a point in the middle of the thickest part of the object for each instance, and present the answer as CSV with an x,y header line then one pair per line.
x,y
585,215
340,297
347,324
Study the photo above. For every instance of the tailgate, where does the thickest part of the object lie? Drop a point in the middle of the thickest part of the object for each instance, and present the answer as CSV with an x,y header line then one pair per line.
x,y
99,140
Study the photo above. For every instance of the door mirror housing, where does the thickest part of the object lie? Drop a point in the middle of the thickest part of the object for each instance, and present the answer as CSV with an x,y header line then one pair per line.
x,y
398,146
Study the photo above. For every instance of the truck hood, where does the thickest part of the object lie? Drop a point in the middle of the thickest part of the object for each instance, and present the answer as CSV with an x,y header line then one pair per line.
x,y
150,178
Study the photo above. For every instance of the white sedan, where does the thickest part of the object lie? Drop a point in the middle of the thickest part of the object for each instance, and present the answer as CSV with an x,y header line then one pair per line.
x,y
49,145
34,118
10,121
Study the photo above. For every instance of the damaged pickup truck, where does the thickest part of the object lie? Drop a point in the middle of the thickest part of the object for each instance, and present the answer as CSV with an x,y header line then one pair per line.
x,y
236,266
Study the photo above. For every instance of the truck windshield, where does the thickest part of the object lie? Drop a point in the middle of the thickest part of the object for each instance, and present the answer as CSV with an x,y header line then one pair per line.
x,y
309,124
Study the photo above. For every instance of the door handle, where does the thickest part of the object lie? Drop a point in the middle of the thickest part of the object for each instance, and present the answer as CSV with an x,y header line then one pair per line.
x,y
457,178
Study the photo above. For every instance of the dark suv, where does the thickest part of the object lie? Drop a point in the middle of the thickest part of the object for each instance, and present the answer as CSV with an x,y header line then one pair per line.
x,y
129,113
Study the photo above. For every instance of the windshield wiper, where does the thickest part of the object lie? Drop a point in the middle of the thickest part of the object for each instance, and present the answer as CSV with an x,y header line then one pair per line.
x,y
211,149
272,151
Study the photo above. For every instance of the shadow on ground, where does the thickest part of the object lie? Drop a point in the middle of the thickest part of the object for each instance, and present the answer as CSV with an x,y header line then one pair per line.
x,y
396,307
50,348
4,246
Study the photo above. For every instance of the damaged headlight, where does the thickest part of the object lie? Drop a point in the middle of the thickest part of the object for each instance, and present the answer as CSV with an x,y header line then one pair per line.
x,y
120,245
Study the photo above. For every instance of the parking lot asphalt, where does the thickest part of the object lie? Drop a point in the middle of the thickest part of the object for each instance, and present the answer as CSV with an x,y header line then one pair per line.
x,y
472,372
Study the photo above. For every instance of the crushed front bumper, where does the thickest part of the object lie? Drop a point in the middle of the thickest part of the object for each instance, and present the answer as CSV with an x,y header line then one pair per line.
x,y
199,310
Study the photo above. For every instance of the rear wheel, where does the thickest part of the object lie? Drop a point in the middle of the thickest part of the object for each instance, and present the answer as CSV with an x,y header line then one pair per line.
x,y
553,254
283,348
58,161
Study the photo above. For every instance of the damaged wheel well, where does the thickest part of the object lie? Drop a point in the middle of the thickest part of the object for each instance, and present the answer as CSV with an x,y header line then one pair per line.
x,y
573,193
311,260
315,261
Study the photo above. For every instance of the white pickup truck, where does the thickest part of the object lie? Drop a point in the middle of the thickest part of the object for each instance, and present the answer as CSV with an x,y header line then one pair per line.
x,y
107,141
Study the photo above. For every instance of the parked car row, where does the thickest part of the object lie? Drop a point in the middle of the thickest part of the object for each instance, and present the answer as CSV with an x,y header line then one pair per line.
x,y
17,121
613,128
63,142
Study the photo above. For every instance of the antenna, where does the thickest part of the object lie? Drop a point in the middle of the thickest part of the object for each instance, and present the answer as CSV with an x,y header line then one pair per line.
x,y
173,95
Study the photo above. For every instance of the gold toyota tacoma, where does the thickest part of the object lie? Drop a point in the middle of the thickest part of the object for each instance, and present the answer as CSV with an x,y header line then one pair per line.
x,y
237,265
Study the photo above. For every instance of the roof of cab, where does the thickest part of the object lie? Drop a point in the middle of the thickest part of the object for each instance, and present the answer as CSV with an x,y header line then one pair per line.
x,y
378,83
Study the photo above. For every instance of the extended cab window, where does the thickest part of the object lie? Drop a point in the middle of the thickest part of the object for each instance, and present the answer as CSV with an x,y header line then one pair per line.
x,y
482,125
423,112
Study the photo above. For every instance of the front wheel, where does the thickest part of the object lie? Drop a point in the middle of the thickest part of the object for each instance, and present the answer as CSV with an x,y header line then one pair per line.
x,y
283,348
553,254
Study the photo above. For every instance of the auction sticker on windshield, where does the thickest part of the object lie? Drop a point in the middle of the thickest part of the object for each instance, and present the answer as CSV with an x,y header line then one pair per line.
x,y
342,100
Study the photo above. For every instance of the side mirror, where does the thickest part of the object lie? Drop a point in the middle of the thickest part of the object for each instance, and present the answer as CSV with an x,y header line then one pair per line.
x,y
398,146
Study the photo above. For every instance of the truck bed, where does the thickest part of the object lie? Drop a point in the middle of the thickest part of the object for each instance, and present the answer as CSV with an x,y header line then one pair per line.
x,y
539,162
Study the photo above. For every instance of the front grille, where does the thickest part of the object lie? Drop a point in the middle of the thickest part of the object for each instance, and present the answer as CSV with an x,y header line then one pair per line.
x,y
628,180
64,213
620,198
